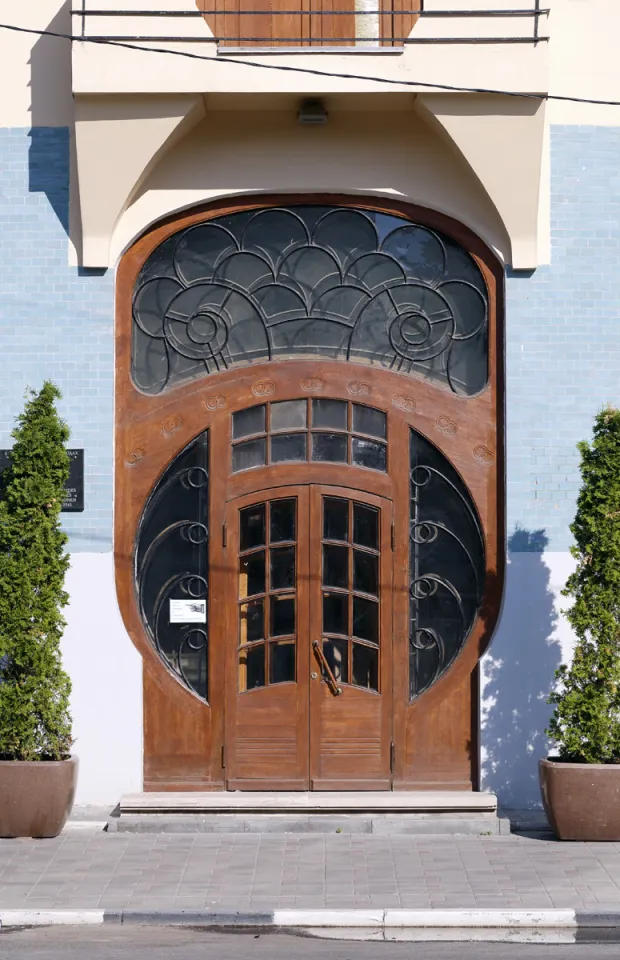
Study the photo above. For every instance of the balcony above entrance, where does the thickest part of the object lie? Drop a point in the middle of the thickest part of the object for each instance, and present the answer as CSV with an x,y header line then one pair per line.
x,y
173,46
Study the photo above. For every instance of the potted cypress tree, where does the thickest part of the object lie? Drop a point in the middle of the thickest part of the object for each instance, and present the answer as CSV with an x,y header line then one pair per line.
x,y
37,772
581,787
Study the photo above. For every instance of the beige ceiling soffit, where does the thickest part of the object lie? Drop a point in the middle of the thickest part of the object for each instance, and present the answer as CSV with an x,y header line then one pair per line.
x,y
119,140
502,140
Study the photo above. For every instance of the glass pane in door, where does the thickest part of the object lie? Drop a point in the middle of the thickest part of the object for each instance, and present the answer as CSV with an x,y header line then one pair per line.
x,y
350,590
267,593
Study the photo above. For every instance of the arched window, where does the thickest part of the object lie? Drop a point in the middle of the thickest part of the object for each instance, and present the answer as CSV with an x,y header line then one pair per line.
x,y
307,281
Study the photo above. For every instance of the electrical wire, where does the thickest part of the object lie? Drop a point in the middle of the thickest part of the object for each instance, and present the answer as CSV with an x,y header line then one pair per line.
x,y
309,71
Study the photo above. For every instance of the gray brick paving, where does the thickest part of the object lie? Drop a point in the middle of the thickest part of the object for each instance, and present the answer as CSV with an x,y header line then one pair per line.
x,y
245,871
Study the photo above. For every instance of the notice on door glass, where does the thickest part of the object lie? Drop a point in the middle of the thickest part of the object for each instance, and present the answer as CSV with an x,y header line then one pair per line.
x,y
188,611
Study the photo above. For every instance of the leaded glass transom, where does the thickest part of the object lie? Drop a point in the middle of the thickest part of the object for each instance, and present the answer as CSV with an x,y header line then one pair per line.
x,y
305,281
327,430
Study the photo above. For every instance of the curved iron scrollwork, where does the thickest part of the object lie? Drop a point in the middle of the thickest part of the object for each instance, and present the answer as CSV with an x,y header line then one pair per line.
x,y
310,281
171,564
447,565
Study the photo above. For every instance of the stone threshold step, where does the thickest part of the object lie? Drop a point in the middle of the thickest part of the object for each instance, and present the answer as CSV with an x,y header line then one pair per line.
x,y
423,801
420,824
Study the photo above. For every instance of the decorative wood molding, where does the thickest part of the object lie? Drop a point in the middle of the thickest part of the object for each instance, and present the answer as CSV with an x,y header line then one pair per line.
x,y
263,388
402,402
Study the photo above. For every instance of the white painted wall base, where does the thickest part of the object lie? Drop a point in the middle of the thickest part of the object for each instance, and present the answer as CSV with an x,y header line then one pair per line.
x,y
531,640
106,671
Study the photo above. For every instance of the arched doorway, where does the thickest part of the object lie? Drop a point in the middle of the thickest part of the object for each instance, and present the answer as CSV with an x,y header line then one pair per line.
x,y
308,500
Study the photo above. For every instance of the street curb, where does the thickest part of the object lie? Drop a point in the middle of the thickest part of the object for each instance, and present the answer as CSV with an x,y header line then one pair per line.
x,y
378,920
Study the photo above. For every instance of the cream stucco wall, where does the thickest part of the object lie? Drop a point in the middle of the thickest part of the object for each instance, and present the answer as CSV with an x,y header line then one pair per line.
x,y
382,153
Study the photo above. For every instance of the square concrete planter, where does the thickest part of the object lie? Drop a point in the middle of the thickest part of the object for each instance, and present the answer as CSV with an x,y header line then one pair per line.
x,y
581,800
36,797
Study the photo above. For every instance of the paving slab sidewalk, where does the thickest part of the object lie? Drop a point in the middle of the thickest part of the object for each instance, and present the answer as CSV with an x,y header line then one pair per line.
x,y
88,869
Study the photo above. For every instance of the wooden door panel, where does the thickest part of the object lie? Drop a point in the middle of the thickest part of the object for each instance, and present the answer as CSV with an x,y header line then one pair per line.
x,y
267,721
350,733
283,23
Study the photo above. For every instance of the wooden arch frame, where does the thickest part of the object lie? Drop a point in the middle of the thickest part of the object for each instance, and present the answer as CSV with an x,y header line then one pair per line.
x,y
436,735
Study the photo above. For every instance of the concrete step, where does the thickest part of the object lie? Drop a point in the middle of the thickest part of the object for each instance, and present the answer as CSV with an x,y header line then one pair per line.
x,y
422,801
423,824
425,813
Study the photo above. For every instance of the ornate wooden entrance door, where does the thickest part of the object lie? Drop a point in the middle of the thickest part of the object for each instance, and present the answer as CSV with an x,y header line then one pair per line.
x,y
338,355
308,622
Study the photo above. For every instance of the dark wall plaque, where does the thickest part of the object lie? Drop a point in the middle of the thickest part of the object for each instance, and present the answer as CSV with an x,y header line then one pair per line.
x,y
74,488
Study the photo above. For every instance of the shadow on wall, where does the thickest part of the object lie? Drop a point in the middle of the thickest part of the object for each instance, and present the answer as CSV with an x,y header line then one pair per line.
x,y
51,109
518,673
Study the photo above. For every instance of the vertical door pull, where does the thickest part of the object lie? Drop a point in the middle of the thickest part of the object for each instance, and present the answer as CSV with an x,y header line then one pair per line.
x,y
327,673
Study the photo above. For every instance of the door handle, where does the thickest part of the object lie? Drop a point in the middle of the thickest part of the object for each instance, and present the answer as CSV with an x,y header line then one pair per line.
x,y
329,677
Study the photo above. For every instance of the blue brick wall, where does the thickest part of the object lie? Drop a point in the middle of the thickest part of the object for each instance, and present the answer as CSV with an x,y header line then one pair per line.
x,y
55,321
562,338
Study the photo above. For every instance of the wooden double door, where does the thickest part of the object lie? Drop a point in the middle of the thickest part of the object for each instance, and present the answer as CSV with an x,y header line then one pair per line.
x,y
309,694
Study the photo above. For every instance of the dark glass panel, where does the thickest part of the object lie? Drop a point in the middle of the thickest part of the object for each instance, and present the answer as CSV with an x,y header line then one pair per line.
x,y
336,613
331,414
365,526
282,665
282,568
370,421
288,447
367,453
366,572
335,566
251,453
282,616
335,519
366,619
251,621
365,667
252,667
282,520
447,555
329,447
252,527
193,661
288,415
172,562
247,422
252,574
336,653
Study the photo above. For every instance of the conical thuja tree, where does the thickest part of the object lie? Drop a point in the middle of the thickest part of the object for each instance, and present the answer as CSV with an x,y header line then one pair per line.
x,y
34,689
586,720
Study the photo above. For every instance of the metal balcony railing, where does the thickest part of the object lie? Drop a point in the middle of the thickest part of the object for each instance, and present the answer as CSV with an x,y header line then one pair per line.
x,y
356,23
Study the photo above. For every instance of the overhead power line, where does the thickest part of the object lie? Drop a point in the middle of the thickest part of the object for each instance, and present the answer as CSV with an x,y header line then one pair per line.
x,y
307,71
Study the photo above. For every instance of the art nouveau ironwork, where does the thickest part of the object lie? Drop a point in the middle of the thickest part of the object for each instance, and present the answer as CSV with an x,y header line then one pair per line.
x,y
307,280
447,564
171,565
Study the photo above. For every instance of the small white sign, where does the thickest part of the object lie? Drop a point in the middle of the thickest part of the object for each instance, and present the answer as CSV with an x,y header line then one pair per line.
x,y
188,611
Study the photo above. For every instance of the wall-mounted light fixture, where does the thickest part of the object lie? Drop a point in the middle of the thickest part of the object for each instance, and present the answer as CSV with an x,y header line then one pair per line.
x,y
312,111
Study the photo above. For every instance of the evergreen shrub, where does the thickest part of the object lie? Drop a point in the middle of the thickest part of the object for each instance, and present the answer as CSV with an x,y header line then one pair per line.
x,y
586,720
34,689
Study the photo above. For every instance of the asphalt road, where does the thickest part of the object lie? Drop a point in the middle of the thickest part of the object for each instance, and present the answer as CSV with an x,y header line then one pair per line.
x,y
165,943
